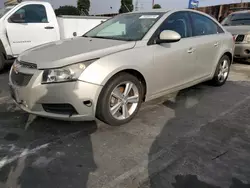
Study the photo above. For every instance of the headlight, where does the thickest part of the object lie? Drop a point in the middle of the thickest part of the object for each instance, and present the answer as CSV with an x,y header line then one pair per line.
x,y
65,74
247,38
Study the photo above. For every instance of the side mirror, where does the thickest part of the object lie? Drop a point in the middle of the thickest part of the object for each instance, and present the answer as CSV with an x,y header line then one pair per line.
x,y
168,36
17,18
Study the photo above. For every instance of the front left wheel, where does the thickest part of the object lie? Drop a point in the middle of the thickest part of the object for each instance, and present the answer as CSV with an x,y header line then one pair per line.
x,y
120,99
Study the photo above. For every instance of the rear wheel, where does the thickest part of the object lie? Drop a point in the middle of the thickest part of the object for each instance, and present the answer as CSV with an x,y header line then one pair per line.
x,y
222,71
120,100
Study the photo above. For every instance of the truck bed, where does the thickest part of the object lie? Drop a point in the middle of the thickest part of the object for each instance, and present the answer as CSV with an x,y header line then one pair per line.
x,y
71,26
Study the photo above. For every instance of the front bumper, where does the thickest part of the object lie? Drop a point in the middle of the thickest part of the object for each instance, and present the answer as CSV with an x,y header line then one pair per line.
x,y
32,97
242,50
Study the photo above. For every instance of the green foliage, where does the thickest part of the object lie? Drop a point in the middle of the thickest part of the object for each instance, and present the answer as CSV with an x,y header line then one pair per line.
x,y
83,6
156,6
126,6
67,10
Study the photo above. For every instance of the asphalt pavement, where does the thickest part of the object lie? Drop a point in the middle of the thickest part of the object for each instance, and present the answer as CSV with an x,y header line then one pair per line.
x,y
195,138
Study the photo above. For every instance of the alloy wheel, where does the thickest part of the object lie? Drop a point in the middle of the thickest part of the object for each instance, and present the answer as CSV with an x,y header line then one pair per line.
x,y
223,70
124,100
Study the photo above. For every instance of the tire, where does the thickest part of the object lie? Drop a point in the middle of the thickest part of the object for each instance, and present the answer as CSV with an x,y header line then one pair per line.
x,y
112,96
221,72
2,61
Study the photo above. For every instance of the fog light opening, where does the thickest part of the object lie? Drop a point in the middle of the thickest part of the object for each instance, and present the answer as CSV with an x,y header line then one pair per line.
x,y
247,51
87,103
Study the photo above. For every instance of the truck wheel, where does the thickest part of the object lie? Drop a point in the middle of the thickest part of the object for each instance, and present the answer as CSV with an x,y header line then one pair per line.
x,y
222,71
120,100
2,61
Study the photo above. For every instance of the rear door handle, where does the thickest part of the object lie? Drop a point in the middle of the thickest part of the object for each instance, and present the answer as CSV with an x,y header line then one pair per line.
x,y
49,27
216,44
190,50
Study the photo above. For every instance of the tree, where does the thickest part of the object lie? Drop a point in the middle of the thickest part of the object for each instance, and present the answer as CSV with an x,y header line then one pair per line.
x,y
126,6
67,10
83,6
156,6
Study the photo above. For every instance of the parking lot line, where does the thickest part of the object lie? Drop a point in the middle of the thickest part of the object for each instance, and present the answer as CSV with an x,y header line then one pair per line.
x,y
4,161
4,98
26,152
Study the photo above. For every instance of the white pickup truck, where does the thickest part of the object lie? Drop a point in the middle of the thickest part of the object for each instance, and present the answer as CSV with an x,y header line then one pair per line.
x,y
33,23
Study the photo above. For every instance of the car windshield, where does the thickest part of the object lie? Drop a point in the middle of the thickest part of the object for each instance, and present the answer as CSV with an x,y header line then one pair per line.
x,y
3,11
237,19
127,27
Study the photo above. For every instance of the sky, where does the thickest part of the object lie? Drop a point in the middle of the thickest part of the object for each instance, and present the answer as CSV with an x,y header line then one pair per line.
x,y
112,6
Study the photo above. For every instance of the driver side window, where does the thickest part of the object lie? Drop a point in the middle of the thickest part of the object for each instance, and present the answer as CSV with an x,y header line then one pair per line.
x,y
178,22
30,14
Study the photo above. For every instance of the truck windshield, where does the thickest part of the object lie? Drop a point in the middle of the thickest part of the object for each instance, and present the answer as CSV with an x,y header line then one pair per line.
x,y
3,11
127,27
237,19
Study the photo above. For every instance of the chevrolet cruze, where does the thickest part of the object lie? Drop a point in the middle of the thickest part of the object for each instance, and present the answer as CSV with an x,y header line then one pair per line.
x,y
109,71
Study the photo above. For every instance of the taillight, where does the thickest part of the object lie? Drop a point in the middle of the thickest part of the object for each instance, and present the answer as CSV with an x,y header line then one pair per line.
x,y
234,38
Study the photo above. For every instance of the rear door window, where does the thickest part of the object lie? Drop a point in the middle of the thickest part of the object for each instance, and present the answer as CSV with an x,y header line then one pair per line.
x,y
203,25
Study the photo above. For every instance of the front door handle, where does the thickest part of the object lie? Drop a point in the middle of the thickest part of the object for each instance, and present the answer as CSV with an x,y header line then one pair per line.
x,y
216,44
49,27
190,50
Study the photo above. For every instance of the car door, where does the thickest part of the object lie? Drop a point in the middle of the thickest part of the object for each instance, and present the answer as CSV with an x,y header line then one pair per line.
x,y
174,63
28,27
206,36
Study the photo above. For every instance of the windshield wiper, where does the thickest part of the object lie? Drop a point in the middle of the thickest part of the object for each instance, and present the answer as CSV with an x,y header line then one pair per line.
x,y
100,37
112,38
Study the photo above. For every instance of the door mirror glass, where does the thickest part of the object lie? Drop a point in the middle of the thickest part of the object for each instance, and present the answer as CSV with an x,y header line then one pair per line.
x,y
168,36
18,17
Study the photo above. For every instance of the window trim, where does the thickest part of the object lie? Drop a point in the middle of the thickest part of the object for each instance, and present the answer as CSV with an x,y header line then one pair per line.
x,y
151,41
9,21
221,31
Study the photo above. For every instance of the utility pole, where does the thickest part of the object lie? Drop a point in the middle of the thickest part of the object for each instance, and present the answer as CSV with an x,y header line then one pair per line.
x,y
153,3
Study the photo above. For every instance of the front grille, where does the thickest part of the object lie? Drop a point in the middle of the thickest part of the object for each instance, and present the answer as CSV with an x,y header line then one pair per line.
x,y
65,109
27,65
20,79
240,38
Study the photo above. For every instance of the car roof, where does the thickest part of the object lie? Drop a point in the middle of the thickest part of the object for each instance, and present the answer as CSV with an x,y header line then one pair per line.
x,y
165,11
241,12
153,11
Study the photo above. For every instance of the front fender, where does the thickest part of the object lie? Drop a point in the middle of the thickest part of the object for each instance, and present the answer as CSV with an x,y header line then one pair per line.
x,y
139,59
4,45
103,69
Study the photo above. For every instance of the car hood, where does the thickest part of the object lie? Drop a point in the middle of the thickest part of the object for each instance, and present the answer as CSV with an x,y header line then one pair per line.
x,y
236,30
69,51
